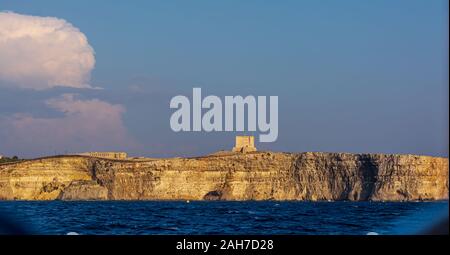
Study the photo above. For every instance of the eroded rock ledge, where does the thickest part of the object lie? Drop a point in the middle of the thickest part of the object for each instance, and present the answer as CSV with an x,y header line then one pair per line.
x,y
251,176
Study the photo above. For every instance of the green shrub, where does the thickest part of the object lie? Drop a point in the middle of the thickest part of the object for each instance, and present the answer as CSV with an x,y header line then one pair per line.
x,y
8,159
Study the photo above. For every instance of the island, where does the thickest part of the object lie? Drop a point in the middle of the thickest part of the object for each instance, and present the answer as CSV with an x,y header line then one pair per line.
x,y
240,174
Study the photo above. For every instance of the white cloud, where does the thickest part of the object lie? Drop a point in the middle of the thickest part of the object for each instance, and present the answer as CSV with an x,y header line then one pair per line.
x,y
43,52
84,125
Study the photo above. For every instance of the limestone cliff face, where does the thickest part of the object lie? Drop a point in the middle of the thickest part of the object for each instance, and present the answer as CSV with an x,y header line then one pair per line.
x,y
251,176
41,179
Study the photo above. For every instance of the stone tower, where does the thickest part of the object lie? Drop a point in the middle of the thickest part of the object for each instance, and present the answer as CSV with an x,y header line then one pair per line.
x,y
244,144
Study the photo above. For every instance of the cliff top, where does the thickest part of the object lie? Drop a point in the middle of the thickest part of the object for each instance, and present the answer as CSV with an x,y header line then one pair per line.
x,y
228,154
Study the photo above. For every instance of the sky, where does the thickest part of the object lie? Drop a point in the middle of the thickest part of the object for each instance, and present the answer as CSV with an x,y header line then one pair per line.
x,y
351,76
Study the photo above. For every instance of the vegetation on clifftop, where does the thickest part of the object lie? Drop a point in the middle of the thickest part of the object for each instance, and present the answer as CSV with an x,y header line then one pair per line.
x,y
9,160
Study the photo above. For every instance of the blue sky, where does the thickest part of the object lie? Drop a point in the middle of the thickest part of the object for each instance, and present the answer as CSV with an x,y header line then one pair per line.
x,y
351,76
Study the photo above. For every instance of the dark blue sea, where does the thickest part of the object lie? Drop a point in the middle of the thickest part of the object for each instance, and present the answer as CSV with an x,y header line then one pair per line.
x,y
162,217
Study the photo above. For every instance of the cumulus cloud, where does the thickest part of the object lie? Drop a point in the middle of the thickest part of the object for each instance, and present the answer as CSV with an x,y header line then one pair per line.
x,y
43,52
84,125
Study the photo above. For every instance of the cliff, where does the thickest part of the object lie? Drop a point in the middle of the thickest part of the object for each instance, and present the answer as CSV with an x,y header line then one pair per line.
x,y
234,176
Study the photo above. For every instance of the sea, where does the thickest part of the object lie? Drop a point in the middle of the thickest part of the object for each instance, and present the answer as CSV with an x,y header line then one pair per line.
x,y
219,217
